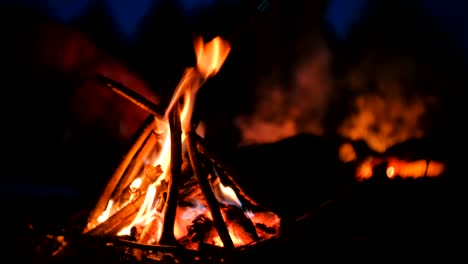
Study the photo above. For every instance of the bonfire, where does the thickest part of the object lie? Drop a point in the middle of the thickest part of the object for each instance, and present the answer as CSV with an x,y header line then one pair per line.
x,y
168,190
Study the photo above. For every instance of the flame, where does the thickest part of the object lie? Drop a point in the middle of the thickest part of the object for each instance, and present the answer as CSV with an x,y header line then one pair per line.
x,y
136,184
390,172
145,194
415,169
211,56
227,195
103,217
364,170
383,122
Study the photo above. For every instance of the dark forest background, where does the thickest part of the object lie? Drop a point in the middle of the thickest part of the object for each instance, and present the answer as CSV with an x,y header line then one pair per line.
x,y
288,63
279,106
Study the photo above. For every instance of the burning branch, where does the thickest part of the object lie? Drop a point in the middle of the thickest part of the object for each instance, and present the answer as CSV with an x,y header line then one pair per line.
x,y
167,236
118,220
136,167
210,197
125,216
223,175
103,201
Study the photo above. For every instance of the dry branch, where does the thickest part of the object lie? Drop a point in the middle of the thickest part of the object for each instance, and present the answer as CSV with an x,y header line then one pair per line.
x,y
133,96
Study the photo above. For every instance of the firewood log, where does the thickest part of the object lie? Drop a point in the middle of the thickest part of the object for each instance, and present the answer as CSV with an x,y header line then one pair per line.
x,y
136,166
218,220
101,205
126,215
167,236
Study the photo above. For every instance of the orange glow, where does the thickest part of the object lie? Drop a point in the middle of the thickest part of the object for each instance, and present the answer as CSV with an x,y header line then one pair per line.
x,y
347,153
417,168
211,56
390,172
401,168
364,171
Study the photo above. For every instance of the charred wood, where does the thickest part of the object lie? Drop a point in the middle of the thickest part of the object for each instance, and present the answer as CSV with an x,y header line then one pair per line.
x,y
198,230
205,186
239,221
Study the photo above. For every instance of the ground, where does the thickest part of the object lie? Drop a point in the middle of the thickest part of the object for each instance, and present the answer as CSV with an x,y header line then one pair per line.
x,y
397,219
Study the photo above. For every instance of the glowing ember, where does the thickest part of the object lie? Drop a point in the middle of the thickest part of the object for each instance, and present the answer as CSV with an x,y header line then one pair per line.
x,y
364,171
346,152
415,169
136,202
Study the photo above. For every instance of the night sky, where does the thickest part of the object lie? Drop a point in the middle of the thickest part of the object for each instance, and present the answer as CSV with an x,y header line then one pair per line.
x,y
127,15
451,15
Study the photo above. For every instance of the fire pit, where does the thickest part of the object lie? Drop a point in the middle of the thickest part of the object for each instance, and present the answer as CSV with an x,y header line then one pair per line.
x,y
169,194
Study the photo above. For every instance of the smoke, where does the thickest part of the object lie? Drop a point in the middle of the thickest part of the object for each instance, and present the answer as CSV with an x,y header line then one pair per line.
x,y
282,112
388,105
392,102
383,122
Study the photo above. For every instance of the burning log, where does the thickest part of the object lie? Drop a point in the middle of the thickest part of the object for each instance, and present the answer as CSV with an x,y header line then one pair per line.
x,y
118,220
197,231
125,215
119,172
242,222
138,164
176,173
209,195
222,173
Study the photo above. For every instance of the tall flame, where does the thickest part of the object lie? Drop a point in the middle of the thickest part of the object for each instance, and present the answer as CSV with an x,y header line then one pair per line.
x,y
210,57
143,196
